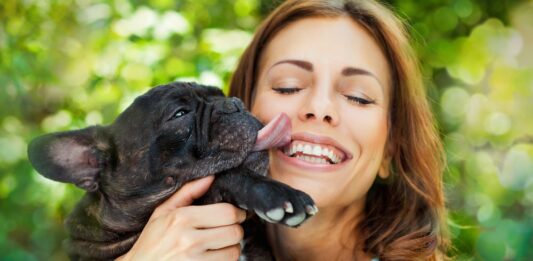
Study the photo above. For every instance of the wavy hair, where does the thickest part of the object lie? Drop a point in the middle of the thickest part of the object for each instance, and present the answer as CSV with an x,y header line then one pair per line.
x,y
404,214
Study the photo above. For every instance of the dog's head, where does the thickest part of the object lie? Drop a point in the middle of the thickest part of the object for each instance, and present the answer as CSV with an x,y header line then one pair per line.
x,y
181,126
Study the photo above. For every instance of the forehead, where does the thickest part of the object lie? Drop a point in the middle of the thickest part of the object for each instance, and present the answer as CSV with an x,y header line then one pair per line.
x,y
329,44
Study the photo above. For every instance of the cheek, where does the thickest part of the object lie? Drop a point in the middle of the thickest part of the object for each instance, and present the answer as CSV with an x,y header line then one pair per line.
x,y
369,130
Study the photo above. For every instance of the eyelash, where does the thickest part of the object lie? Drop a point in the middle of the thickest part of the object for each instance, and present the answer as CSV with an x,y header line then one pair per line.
x,y
286,91
359,100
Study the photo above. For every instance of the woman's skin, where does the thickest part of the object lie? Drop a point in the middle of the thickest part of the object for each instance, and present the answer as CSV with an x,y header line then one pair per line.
x,y
178,231
331,78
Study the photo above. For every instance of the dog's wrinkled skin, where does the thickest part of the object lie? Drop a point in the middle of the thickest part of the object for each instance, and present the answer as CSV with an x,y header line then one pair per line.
x,y
173,134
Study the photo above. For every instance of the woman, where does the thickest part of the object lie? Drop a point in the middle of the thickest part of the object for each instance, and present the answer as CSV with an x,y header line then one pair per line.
x,y
346,75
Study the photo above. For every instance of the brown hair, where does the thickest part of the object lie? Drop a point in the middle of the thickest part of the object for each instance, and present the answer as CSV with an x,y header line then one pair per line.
x,y
405,214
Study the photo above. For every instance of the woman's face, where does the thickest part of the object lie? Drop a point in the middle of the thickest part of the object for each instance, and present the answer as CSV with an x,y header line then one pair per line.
x,y
331,78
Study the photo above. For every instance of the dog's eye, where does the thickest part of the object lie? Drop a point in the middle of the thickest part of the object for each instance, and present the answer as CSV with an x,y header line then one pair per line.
x,y
178,114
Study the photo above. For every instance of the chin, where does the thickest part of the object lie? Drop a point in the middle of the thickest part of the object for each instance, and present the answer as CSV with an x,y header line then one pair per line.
x,y
321,193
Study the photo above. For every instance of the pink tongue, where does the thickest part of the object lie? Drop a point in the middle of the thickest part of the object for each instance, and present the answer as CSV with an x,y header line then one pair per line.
x,y
275,134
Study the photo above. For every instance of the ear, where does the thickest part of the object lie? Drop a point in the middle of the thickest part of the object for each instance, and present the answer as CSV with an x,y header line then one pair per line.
x,y
75,157
214,91
385,168
209,91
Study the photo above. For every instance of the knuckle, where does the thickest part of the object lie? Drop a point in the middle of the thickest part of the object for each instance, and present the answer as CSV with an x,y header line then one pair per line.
x,y
233,252
193,244
189,243
231,212
237,232
156,213
180,218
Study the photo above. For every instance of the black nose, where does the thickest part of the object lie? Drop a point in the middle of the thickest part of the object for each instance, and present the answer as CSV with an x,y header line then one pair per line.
x,y
229,105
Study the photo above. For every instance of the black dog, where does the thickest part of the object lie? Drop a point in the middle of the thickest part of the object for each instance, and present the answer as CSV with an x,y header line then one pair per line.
x,y
173,134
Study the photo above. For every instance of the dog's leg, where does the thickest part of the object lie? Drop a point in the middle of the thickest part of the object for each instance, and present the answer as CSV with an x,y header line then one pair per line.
x,y
271,200
254,246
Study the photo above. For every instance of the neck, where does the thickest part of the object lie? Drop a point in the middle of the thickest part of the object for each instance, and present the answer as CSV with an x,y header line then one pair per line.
x,y
330,235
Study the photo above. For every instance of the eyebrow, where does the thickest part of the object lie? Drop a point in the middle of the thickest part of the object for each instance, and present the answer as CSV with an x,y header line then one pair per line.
x,y
302,64
347,71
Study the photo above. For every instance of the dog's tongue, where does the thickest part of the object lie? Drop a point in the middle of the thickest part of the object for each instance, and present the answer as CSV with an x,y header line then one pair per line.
x,y
275,134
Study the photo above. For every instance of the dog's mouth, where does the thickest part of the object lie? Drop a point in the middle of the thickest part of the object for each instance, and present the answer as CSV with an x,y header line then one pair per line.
x,y
277,133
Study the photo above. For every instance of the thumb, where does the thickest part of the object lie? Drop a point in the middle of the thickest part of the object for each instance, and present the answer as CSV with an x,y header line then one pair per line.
x,y
185,195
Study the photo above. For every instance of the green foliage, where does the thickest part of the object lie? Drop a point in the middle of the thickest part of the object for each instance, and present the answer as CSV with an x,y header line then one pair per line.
x,y
72,63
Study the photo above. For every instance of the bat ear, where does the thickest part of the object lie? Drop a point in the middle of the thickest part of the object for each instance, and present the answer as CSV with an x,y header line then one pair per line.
x,y
209,91
214,91
75,157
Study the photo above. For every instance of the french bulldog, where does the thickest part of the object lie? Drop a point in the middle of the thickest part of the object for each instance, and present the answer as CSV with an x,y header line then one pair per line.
x,y
172,134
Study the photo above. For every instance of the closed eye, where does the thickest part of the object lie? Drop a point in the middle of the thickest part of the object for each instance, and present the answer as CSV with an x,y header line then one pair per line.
x,y
283,90
359,100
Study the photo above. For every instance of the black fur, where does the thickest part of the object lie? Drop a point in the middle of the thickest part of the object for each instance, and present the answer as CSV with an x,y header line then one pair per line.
x,y
173,134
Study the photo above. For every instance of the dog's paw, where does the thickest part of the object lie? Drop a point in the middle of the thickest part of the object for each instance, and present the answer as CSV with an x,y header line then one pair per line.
x,y
276,202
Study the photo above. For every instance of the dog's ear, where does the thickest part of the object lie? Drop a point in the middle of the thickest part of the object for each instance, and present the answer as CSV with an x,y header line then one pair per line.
x,y
75,157
210,91
214,91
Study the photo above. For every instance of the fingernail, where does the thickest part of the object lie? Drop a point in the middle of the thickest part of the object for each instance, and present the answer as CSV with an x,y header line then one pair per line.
x,y
243,216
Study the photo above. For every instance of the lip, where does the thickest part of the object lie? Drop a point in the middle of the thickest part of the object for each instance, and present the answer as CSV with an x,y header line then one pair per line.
x,y
305,136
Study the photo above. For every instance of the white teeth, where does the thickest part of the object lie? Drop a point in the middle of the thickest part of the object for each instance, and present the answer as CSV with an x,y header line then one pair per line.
x,y
300,147
335,159
329,153
317,151
312,153
312,159
308,149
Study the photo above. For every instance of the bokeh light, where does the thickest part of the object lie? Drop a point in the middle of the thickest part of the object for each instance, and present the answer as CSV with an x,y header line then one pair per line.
x,y
74,63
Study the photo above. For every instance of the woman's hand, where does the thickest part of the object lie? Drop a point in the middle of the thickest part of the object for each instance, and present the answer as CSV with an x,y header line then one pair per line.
x,y
178,231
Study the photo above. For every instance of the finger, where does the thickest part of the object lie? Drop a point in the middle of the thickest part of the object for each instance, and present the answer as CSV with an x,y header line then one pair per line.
x,y
230,253
220,237
210,216
186,194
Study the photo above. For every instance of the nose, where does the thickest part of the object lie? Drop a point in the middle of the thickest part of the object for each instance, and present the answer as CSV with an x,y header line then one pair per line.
x,y
321,108
229,105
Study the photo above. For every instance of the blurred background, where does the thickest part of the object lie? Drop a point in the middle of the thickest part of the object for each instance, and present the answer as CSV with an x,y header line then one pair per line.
x,y
67,64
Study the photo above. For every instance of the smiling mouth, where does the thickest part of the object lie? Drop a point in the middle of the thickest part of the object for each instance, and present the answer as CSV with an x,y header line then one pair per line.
x,y
303,146
314,153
